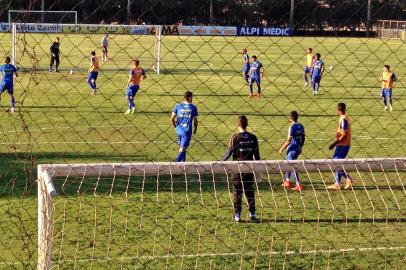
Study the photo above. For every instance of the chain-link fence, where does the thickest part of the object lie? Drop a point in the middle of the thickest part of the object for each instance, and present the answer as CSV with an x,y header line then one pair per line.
x,y
56,118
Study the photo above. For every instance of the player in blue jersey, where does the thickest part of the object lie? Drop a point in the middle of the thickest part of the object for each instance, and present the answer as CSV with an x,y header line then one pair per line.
x,y
8,72
293,146
246,68
256,73
317,73
184,119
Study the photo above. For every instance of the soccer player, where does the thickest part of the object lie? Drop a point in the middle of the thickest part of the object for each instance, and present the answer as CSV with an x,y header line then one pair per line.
x,y
133,85
93,72
55,55
256,73
293,146
246,68
317,73
309,65
8,72
105,45
243,146
342,144
184,118
387,80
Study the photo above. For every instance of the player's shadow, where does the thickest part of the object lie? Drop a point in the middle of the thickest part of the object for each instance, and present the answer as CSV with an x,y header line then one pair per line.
x,y
328,220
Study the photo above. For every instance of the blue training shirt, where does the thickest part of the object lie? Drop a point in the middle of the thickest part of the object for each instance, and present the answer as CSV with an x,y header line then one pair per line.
x,y
185,113
246,58
7,72
256,69
317,67
296,134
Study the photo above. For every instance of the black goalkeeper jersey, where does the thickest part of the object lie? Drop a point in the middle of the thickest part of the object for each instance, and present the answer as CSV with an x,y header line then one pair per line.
x,y
55,48
243,146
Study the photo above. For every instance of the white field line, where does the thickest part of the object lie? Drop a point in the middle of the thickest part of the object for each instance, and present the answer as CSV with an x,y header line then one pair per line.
x,y
162,142
168,142
228,254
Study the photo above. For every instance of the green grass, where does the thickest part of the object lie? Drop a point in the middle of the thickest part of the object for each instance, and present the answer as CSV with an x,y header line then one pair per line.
x,y
57,121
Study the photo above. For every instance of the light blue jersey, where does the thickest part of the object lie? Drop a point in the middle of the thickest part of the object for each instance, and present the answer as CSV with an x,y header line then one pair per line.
x,y
317,68
185,113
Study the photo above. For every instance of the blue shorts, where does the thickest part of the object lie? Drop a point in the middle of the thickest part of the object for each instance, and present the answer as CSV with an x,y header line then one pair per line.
x,y
316,79
386,92
246,69
341,151
293,154
255,80
6,86
307,69
92,76
184,140
132,90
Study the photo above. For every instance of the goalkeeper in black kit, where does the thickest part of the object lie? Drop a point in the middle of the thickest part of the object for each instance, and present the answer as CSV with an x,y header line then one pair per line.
x,y
243,146
54,55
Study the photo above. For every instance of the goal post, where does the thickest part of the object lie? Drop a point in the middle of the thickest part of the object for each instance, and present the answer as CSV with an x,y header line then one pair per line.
x,y
43,16
119,214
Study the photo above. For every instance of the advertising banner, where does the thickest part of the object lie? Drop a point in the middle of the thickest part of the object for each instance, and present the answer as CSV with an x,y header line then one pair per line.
x,y
264,31
208,30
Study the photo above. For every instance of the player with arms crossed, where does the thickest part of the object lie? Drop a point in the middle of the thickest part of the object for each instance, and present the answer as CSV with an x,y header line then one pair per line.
x,y
54,49
317,73
93,72
133,85
387,80
246,62
8,72
243,146
309,65
256,73
293,146
105,46
183,117
342,144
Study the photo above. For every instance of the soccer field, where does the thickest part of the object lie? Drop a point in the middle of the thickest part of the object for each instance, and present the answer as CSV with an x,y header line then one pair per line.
x,y
58,121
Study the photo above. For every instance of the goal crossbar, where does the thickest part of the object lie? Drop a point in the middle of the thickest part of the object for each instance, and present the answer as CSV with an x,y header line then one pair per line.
x,y
220,167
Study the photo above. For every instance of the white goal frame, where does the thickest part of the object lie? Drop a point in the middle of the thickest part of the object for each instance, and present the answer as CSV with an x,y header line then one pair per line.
x,y
46,188
42,11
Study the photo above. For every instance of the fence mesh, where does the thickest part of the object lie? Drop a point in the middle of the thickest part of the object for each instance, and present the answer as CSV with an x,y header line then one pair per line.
x,y
57,120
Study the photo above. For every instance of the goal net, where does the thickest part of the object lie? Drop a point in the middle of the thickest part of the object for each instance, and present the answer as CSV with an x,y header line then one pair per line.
x,y
32,41
180,216
39,16
391,29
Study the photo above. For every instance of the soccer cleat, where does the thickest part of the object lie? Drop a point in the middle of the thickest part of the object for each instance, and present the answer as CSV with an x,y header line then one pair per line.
x,y
348,184
237,217
132,111
128,111
12,109
251,95
50,71
286,184
306,84
253,217
334,187
259,95
298,188
390,108
385,108
314,93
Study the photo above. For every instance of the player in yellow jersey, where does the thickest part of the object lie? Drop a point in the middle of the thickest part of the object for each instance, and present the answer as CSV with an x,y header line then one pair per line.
x,y
387,80
309,65
133,85
342,146
93,72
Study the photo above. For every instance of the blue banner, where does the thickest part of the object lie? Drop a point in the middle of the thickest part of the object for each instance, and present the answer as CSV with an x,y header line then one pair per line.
x,y
263,31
